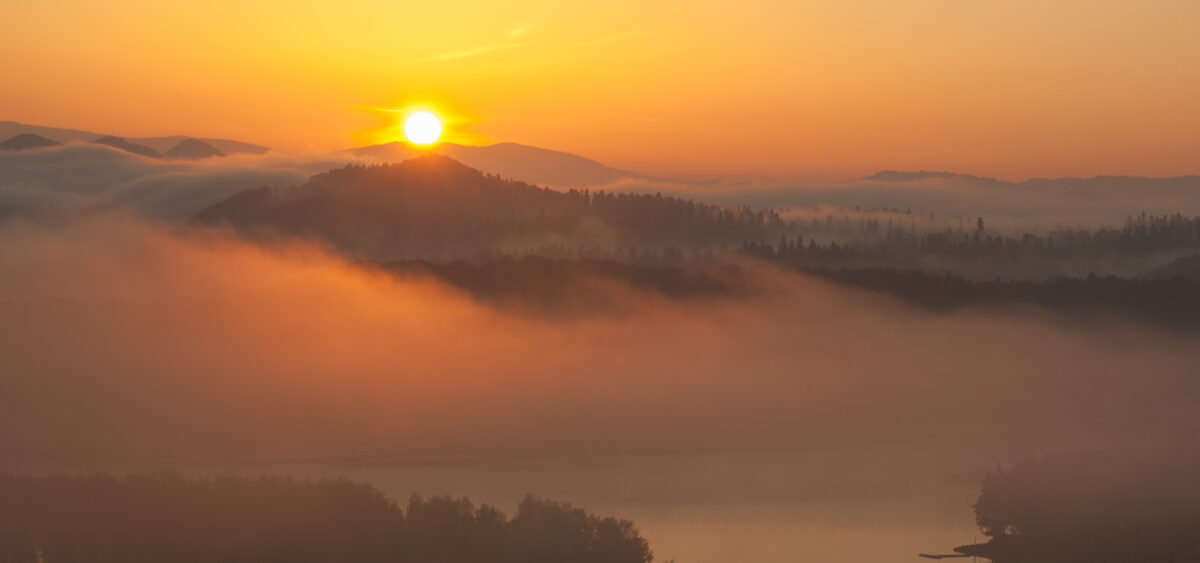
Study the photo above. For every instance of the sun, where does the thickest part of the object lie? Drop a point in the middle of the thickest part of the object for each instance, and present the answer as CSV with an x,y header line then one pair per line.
x,y
422,128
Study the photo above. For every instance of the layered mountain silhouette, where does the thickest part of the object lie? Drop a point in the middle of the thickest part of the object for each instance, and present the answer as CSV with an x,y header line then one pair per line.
x,y
436,207
119,143
25,141
1190,182
224,146
919,175
510,160
191,149
158,144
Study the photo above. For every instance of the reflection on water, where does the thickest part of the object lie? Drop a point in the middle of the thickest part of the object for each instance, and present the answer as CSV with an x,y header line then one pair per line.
x,y
851,506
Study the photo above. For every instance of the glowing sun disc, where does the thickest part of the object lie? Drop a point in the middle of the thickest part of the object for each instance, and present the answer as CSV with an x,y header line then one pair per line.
x,y
422,128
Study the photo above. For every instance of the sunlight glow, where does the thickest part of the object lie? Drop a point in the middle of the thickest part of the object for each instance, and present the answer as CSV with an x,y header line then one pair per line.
x,y
422,128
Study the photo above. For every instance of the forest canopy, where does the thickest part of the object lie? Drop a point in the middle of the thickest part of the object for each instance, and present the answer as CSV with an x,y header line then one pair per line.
x,y
1068,508
169,517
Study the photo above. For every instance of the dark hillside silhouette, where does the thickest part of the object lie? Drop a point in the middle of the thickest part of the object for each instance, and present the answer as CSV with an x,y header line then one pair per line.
x,y
564,285
225,146
516,244
510,160
1169,302
1185,184
1187,267
560,286
1138,247
119,143
1132,508
192,149
26,141
168,517
158,144
899,176
434,207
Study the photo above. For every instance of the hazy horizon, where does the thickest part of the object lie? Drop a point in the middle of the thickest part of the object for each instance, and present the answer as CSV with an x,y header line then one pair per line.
x,y
1015,90
599,282
392,136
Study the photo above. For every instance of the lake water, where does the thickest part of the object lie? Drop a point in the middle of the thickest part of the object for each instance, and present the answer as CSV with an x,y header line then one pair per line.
x,y
884,504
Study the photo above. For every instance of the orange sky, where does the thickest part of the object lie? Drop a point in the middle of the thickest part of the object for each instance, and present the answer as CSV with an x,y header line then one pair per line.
x,y
814,88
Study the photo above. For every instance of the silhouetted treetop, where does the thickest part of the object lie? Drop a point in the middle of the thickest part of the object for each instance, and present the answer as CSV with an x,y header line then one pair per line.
x,y
168,517
435,207
560,287
1092,507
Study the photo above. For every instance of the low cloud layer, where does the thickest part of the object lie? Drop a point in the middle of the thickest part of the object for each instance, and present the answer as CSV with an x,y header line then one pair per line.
x,y
1038,205
79,178
130,340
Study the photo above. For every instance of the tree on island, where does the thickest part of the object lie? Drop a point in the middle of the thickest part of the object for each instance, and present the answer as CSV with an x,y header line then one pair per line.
x,y
1091,508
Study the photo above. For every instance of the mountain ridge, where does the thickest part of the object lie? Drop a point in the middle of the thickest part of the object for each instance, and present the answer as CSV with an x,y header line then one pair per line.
x,y
905,176
26,141
192,149
531,164
435,206
158,144
135,148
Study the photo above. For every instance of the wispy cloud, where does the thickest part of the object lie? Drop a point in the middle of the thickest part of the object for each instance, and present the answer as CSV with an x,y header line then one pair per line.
x,y
510,41
471,52
518,30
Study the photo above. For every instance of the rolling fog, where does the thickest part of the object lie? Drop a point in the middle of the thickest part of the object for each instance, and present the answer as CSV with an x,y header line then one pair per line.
x,y
82,177
1036,205
806,411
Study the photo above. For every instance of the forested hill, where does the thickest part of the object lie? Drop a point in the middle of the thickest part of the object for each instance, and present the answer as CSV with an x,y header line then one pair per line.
x,y
436,208
569,287
1126,507
165,517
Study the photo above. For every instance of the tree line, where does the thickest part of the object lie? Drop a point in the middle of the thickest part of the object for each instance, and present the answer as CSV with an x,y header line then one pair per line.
x,y
1173,302
169,517
435,209
1091,508
1142,247
580,286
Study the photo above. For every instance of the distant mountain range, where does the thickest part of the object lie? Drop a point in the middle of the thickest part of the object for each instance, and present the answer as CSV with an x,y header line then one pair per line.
x,y
894,176
1106,196
192,149
187,149
919,175
119,143
158,144
510,160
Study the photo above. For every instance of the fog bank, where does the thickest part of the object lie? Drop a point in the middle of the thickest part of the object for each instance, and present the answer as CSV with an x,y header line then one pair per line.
x,y
128,340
